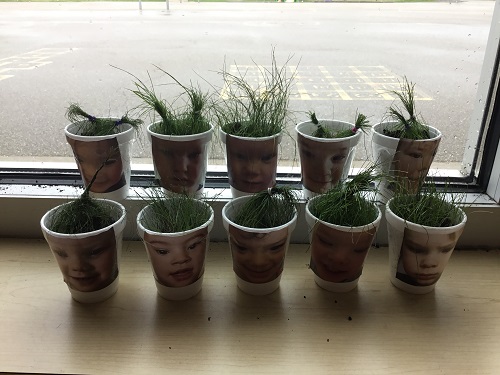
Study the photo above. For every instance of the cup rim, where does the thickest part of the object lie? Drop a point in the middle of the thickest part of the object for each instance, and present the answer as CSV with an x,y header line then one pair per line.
x,y
181,138
240,200
355,229
124,134
117,222
394,219
332,123
142,229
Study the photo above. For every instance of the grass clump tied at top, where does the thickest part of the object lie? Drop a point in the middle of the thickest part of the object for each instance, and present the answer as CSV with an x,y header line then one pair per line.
x,y
84,214
268,209
429,206
260,111
174,213
88,125
408,123
188,118
361,123
349,203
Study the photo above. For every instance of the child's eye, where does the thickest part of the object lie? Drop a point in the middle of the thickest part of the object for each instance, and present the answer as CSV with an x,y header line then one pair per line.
x,y
162,251
95,252
308,154
110,162
167,153
446,250
324,241
417,250
361,251
337,158
268,158
61,253
194,245
240,156
239,248
277,248
194,155
416,155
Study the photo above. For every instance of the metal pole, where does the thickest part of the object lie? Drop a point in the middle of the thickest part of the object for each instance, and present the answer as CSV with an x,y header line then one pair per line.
x,y
168,4
140,5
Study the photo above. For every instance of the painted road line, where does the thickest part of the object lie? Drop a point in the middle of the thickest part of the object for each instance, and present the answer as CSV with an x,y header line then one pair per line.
x,y
30,60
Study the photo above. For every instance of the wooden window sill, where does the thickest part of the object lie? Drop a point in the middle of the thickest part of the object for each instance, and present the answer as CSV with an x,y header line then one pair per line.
x,y
299,329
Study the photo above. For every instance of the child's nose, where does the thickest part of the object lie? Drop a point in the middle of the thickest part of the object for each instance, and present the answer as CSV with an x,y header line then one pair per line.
x,y
259,259
181,163
181,257
78,265
89,171
252,168
339,256
429,261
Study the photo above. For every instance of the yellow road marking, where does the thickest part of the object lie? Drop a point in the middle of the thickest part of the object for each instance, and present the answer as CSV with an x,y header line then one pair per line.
x,y
336,86
30,60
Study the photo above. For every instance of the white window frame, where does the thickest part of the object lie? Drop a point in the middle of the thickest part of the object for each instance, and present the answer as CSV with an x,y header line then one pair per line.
x,y
23,204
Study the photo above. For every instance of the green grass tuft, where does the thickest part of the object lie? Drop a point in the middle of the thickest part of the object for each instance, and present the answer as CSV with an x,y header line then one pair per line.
x,y
174,213
268,209
88,125
350,203
429,206
84,214
189,118
408,123
260,111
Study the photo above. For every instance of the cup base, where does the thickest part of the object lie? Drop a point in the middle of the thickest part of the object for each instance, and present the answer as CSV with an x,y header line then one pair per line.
x,y
413,289
179,294
235,193
336,287
256,289
116,195
97,296
308,194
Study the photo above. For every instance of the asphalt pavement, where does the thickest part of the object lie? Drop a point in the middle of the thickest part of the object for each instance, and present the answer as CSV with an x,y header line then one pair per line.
x,y
347,57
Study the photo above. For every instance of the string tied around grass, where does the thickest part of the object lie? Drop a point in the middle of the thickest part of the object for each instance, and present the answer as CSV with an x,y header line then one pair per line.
x,y
361,123
89,125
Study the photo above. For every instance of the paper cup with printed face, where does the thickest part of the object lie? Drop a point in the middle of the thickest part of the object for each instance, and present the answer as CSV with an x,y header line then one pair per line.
x,y
258,254
418,254
406,162
251,162
324,161
89,262
177,259
338,252
114,151
180,161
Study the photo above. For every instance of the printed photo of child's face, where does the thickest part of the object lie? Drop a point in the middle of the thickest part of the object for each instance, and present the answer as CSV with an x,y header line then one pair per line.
x,y
87,264
258,257
338,256
90,156
322,163
177,261
181,165
251,165
424,257
412,161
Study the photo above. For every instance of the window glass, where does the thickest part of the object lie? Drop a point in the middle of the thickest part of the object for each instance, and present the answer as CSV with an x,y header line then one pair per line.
x,y
347,57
